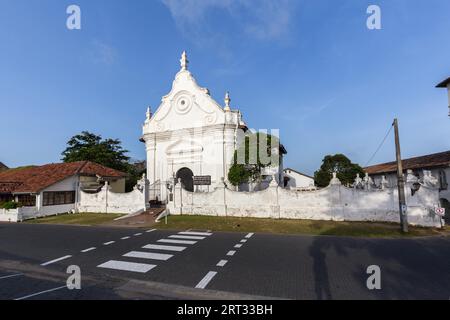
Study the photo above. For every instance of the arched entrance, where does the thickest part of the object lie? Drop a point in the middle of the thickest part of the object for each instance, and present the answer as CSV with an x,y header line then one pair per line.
x,y
186,176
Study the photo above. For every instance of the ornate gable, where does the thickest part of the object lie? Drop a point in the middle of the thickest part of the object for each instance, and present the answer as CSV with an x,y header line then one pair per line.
x,y
186,106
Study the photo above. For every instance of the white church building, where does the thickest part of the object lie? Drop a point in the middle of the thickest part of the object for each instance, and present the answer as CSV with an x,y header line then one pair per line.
x,y
190,134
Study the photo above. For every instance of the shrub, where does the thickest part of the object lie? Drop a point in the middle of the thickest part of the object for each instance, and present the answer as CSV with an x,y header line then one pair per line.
x,y
10,205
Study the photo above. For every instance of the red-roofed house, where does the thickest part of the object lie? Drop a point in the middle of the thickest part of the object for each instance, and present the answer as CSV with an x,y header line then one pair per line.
x,y
54,188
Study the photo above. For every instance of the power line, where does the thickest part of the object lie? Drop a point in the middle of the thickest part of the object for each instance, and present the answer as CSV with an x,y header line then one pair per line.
x,y
381,144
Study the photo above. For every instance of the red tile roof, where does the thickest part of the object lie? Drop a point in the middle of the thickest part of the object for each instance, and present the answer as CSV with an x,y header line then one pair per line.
x,y
35,179
441,159
3,167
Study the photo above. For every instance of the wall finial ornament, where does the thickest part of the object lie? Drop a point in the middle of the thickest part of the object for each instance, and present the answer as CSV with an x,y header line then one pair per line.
x,y
227,102
184,62
149,113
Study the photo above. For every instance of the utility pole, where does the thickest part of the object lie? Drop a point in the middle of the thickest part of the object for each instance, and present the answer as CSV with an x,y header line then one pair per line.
x,y
400,181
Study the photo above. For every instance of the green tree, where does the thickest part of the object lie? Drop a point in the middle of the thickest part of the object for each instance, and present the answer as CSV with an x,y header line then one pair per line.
x,y
108,152
249,160
91,147
339,163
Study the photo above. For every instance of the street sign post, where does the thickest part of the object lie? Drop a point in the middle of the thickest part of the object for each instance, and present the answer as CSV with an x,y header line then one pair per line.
x,y
439,212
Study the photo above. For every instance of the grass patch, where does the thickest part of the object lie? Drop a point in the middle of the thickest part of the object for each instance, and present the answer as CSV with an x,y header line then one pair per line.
x,y
84,219
309,227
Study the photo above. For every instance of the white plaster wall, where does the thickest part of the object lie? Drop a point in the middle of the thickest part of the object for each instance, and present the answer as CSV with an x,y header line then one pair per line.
x,y
9,215
392,180
109,202
335,203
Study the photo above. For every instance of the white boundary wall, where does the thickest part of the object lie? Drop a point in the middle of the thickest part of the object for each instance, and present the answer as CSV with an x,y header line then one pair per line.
x,y
106,201
335,202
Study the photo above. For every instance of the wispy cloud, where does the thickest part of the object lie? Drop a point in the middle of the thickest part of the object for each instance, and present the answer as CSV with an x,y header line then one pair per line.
x,y
103,53
259,19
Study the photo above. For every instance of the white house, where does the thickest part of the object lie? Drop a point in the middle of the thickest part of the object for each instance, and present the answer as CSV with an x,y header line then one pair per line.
x,y
190,134
296,180
54,188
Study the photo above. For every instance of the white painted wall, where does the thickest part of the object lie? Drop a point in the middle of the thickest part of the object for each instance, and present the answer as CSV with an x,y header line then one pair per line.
x,y
106,201
335,202
392,179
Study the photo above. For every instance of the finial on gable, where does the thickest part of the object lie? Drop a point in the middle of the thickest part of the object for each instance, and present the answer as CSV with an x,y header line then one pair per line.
x,y
184,62
227,102
149,113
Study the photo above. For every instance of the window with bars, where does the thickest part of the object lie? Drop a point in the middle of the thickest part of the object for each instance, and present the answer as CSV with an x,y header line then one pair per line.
x,y
58,198
27,200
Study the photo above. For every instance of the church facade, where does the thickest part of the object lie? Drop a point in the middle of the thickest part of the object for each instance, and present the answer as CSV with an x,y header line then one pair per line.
x,y
190,134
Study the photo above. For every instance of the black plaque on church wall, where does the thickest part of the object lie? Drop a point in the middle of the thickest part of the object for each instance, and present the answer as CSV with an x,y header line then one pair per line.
x,y
202,180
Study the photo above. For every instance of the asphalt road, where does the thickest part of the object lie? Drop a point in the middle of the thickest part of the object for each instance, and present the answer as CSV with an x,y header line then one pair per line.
x,y
199,264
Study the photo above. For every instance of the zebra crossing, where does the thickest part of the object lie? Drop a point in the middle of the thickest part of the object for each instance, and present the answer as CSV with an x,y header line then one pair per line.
x,y
163,250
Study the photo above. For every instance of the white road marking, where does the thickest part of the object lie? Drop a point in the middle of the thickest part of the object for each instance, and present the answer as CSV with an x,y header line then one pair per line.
x,y
204,282
192,233
56,260
108,243
39,293
177,241
244,240
87,250
167,248
238,246
187,237
11,276
231,253
148,255
137,234
148,231
127,266
222,263
249,235
125,238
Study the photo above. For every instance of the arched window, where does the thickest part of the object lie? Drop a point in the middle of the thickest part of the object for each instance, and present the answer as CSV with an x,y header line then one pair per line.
x,y
443,184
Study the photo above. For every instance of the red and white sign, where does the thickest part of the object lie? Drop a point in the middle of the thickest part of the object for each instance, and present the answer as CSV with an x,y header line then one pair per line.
x,y
440,211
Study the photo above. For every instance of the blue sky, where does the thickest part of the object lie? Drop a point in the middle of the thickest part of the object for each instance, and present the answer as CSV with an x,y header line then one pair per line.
x,y
310,68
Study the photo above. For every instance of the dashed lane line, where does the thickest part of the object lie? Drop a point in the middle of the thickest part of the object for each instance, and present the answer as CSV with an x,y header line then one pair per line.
x,y
222,263
193,233
39,293
244,240
127,266
187,237
108,243
231,253
148,231
238,246
137,234
177,241
166,248
11,276
148,255
205,281
88,250
56,260
125,238
249,235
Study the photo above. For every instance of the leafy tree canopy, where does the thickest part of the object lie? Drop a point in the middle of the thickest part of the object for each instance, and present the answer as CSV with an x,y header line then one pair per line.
x,y
91,147
252,156
339,163
108,152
